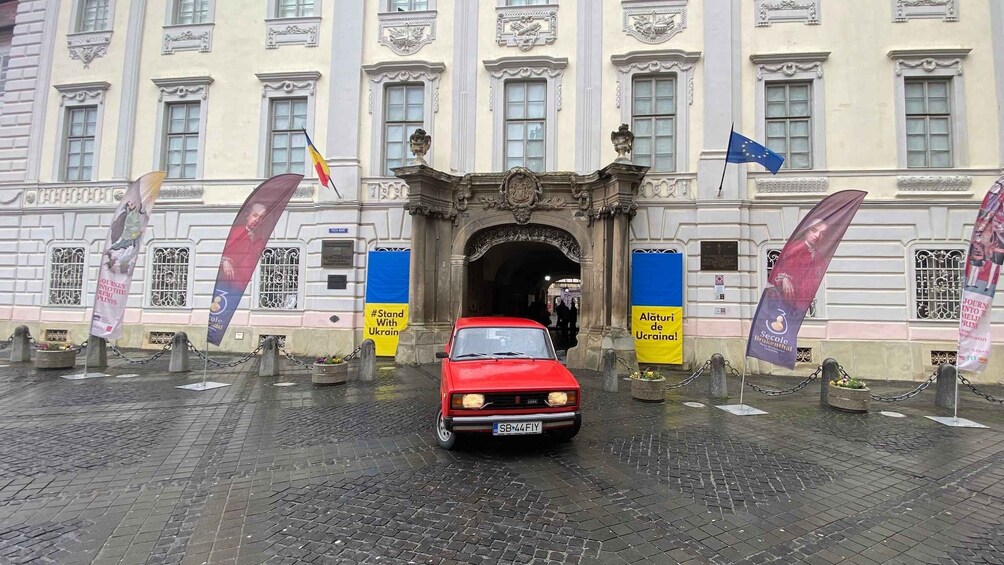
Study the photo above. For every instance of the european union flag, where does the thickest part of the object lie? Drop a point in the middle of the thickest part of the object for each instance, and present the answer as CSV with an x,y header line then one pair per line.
x,y
744,150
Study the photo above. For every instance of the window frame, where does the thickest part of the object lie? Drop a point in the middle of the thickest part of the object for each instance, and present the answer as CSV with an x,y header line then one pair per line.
x,y
300,277
174,7
525,120
187,37
179,90
46,300
927,116
385,169
787,119
387,7
655,116
80,12
190,273
280,86
292,132
75,96
911,271
795,68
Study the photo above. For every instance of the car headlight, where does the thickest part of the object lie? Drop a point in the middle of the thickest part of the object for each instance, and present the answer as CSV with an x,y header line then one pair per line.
x,y
562,398
468,401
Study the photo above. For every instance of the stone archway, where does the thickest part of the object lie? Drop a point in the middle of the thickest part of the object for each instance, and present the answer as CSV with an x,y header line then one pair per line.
x,y
457,218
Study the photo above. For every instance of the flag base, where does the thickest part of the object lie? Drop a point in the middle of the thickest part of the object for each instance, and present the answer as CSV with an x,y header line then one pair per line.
x,y
694,404
81,376
203,386
955,422
740,409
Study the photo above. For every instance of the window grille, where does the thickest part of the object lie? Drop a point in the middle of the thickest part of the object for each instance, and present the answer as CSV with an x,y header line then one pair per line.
x,y
169,277
772,255
81,129
287,143
939,357
654,123
789,123
655,251
803,355
938,289
56,335
66,276
295,8
525,116
928,123
182,139
93,15
392,249
280,340
404,113
279,278
161,338
192,12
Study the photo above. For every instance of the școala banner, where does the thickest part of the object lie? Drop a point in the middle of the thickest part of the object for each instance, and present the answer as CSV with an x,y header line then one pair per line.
x,y
657,307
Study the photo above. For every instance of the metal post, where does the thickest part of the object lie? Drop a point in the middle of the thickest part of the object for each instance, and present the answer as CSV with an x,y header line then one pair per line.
x,y
179,354
97,354
945,396
367,360
831,372
269,358
609,370
19,350
718,388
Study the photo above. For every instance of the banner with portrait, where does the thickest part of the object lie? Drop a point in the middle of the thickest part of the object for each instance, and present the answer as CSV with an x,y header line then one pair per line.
x,y
796,276
983,268
248,237
121,251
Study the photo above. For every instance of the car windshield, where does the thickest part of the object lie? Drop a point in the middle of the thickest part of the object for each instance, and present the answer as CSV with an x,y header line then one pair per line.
x,y
502,342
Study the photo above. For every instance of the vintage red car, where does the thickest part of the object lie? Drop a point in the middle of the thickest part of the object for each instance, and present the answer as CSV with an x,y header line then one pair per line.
x,y
501,376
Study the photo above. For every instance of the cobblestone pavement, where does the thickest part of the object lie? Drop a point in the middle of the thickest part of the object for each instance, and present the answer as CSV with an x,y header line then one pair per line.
x,y
129,469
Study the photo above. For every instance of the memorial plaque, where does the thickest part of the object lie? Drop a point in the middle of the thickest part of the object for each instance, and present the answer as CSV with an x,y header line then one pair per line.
x,y
337,282
336,253
719,255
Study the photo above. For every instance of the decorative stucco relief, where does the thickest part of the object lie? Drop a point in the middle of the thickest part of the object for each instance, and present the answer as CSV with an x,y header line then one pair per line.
x,y
183,91
302,31
774,11
932,183
528,72
929,65
181,192
431,76
85,47
303,192
407,32
795,185
521,192
58,196
526,27
904,10
484,240
654,22
663,187
682,67
187,38
790,69
386,189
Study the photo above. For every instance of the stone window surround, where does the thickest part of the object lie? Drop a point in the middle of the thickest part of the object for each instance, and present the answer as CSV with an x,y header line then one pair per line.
x,y
297,84
382,75
904,10
181,90
85,46
187,37
794,67
931,63
636,9
291,31
654,63
505,69
781,11
301,279
75,96
84,294
171,243
778,245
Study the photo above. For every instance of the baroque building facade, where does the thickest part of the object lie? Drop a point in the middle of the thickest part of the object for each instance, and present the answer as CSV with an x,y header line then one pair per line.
x,y
898,98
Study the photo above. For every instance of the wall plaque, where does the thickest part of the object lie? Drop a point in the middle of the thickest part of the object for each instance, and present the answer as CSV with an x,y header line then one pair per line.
x,y
336,253
337,282
719,255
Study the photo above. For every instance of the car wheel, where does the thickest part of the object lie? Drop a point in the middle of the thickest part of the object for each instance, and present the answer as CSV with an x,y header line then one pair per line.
x,y
566,434
444,437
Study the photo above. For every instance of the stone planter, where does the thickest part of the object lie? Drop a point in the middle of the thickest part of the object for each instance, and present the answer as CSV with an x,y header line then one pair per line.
x,y
648,390
326,374
55,359
849,399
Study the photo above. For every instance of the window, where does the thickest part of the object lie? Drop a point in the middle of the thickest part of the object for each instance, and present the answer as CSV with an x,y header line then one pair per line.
x,y
189,12
287,144
788,126
169,277
4,61
182,143
66,276
653,123
279,278
81,130
93,15
294,8
408,5
525,123
938,283
928,123
772,255
403,115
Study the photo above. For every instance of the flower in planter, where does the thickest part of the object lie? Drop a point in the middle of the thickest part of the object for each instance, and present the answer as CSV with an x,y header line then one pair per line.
x,y
330,360
53,346
847,382
646,375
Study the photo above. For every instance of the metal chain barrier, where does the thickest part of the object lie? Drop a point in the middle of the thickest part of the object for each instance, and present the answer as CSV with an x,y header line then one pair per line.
x,y
80,347
697,374
305,365
157,355
230,365
770,392
900,397
6,344
977,392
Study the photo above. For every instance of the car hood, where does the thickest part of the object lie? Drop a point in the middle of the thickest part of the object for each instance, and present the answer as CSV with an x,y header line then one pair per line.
x,y
510,374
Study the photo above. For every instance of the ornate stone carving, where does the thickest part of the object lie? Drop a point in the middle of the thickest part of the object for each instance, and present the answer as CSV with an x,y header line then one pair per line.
x,y
660,187
929,65
947,183
300,83
387,189
790,69
654,22
628,209
406,33
419,209
181,192
484,240
623,141
303,192
904,10
656,62
188,38
283,32
521,192
525,27
422,72
58,196
184,91
770,11
85,47
787,185
554,71
420,143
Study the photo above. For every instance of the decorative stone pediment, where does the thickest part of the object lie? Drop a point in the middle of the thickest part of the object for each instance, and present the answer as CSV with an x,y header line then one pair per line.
x,y
526,26
82,93
481,242
175,89
929,60
654,22
405,33
904,10
776,11
195,37
789,65
507,68
87,46
291,84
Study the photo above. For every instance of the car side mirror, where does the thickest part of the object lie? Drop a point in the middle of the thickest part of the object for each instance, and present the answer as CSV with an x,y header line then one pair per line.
x,y
442,355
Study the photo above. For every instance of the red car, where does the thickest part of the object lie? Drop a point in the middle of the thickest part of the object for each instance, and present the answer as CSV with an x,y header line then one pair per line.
x,y
501,376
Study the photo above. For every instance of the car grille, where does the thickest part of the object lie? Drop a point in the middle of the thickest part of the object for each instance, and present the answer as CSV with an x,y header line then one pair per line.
x,y
516,400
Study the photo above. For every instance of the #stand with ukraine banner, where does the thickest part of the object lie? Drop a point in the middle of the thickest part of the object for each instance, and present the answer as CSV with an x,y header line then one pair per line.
x,y
796,276
386,311
983,267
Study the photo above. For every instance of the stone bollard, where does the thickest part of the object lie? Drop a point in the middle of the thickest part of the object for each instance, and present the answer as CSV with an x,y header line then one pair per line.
x,y
609,370
269,358
945,395
19,350
831,372
718,388
179,354
367,360
97,352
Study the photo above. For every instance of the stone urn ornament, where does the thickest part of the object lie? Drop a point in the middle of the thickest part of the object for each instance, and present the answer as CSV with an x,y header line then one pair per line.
x,y
420,143
623,141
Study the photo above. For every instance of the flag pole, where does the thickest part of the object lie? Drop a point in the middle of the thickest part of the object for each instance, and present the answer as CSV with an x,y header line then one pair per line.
x,y
724,166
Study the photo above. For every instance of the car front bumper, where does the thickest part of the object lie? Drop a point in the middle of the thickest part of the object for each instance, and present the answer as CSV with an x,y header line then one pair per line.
x,y
549,421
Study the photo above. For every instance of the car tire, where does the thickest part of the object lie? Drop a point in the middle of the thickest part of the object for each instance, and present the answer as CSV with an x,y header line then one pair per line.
x,y
566,434
444,437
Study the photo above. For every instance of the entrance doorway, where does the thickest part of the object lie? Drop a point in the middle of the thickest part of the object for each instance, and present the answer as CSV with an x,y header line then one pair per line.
x,y
513,278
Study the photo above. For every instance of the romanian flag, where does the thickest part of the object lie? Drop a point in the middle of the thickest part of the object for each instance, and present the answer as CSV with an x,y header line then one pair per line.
x,y
320,165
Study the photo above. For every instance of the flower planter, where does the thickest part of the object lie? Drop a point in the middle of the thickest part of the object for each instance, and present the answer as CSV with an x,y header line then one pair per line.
x,y
55,359
849,399
647,390
328,374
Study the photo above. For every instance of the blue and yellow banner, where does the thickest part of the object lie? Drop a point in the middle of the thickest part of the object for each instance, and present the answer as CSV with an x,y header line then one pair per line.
x,y
386,310
657,307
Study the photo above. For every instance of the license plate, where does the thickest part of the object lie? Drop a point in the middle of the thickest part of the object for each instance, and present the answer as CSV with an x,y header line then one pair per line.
x,y
517,428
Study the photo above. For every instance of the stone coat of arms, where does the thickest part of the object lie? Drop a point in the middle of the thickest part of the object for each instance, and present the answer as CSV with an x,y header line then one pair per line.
x,y
521,192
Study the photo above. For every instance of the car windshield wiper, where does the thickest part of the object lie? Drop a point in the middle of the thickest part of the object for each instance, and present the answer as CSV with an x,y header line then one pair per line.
x,y
470,355
511,353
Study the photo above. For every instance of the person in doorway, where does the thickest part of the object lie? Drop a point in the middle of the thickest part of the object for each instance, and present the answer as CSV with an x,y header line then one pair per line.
x,y
562,320
573,316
